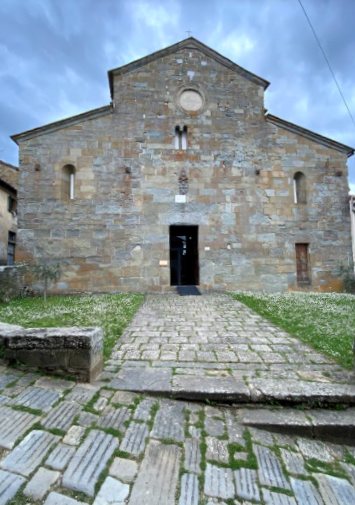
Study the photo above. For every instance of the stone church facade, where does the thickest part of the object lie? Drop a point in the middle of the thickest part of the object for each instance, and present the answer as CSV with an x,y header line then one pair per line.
x,y
184,179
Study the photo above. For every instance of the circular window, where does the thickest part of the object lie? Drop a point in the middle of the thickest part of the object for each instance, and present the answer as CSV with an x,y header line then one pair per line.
x,y
191,100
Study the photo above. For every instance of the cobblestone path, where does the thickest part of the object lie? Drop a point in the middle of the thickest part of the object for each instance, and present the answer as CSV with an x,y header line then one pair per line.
x,y
214,346
97,446
63,443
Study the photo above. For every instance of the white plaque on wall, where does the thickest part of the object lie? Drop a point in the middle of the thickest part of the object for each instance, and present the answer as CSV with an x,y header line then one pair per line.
x,y
180,198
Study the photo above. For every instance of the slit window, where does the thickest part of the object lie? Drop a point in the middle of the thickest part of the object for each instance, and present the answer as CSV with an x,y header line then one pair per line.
x,y
302,263
68,182
299,188
181,138
11,248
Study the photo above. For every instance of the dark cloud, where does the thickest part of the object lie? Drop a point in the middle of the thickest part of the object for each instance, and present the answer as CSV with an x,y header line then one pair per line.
x,y
55,54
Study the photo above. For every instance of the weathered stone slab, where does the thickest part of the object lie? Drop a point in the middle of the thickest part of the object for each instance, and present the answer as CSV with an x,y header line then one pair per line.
x,y
294,462
87,419
62,416
272,498
74,435
36,398
6,379
123,397
76,351
219,482
4,400
217,450
60,456
334,490
60,499
234,429
82,394
158,476
281,420
14,424
192,455
169,421
214,427
112,492
306,492
124,469
54,383
9,485
214,388
114,418
194,432
246,484
270,471
142,411
189,494
89,461
300,391
40,483
315,449
147,380
29,454
134,439
339,425
262,437
100,404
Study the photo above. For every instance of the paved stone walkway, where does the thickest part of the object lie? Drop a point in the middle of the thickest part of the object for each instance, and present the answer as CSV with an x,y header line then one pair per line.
x,y
213,346
69,444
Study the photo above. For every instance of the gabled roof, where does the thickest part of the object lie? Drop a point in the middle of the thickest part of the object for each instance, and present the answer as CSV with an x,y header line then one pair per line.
x,y
62,123
308,134
189,43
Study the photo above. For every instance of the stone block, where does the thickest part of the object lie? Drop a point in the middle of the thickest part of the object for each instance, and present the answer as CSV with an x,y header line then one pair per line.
x,y
72,351
40,483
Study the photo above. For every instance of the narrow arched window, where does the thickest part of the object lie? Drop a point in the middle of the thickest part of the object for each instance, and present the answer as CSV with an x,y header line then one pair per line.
x,y
177,137
68,182
180,138
184,138
299,188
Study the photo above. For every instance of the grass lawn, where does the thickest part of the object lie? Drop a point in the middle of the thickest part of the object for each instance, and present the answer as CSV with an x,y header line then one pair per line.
x,y
111,312
326,321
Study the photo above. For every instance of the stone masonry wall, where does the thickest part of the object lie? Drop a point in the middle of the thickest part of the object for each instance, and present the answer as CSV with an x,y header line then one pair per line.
x,y
240,170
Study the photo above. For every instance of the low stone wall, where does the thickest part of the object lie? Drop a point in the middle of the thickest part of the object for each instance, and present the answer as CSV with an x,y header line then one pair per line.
x,y
60,351
12,282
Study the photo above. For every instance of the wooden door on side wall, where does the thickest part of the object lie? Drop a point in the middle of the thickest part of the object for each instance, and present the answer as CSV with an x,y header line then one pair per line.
x,y
302,263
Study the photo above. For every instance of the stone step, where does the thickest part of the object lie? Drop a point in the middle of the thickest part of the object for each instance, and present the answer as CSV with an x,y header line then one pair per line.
x,y
331,425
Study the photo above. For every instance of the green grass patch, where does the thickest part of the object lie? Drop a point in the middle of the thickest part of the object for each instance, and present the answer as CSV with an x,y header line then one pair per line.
x,y
111,312
326,321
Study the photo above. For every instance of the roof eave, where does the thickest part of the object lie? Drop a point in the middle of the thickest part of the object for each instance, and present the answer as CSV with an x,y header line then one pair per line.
x,y
316,137
62,123
188,43
8,186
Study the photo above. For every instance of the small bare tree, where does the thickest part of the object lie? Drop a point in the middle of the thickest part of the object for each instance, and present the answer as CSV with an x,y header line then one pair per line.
x,y
45,271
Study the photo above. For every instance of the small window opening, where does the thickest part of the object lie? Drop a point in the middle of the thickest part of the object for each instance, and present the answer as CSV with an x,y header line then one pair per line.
x,y
11,248
12,204
302,263
299,188
181,138
68,182
177,137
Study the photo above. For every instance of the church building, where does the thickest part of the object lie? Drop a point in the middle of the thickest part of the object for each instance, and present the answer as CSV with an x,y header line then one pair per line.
x,y
184,179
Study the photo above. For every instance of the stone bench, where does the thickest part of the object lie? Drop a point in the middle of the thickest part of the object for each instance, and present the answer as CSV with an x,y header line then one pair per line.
x,y
60,351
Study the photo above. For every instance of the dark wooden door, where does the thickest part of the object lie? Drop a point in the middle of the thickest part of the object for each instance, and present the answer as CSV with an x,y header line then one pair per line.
x,y
302,262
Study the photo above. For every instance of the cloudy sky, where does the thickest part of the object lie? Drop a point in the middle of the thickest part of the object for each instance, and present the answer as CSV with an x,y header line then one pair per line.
x,y
54,55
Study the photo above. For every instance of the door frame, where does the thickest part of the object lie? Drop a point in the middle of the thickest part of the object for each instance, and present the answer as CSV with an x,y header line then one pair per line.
x,y
196,266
